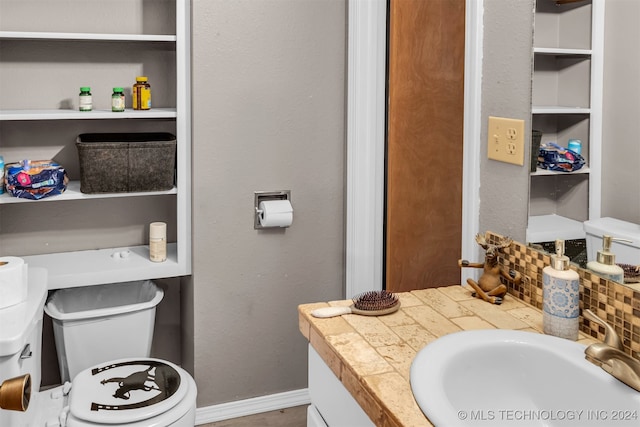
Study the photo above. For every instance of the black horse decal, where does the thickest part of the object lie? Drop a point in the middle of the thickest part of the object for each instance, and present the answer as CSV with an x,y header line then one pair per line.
x,y
135,381
160,380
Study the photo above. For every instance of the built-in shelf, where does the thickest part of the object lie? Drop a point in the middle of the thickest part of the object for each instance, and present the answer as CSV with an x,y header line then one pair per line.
x,y
547,228
78,268
73,193
555,51
54,64
154,113
39,35
555,109
546,172
567,104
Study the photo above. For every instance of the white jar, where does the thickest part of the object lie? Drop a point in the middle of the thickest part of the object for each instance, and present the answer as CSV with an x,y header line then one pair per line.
x,y
158,241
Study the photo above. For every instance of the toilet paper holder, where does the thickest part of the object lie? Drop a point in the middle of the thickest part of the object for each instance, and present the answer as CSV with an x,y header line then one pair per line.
x,y
262,196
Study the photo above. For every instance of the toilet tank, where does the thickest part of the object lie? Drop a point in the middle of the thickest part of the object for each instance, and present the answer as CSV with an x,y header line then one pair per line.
x,y
626,252
21,338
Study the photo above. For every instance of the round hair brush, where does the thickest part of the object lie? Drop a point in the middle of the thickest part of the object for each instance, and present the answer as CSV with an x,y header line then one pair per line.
x,y
372,303
631,273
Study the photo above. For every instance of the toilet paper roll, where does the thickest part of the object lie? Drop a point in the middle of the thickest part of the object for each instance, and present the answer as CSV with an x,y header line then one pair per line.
x,y
13,281
275,213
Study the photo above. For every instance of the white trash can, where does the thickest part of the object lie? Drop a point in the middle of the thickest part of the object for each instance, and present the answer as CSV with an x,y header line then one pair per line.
x,y
96,324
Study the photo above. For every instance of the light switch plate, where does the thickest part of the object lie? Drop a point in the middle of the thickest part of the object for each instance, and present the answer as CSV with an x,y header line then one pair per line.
x,y
505,141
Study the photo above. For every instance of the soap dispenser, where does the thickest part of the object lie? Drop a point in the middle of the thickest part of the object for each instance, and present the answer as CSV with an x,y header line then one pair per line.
x,y
605,263
560,296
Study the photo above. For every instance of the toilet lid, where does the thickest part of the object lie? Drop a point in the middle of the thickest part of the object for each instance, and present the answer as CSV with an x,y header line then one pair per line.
x,y
127,390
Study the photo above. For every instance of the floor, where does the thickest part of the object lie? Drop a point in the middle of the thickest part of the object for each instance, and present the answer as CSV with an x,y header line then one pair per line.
x,y
289,417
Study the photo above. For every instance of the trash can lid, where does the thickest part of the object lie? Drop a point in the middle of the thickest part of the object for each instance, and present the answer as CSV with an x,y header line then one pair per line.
x,y
127,390
103,300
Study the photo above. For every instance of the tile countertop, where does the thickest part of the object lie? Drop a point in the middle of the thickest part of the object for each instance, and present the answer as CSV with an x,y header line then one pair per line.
x,y
372,356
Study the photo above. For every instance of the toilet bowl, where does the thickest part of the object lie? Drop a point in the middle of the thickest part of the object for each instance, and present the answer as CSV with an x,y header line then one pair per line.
x,y
131,392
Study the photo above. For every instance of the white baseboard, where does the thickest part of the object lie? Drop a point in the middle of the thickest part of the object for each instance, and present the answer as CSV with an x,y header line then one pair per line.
x,y
255,405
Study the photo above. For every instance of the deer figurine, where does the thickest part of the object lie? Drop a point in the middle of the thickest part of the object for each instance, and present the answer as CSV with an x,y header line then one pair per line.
x,y
489,287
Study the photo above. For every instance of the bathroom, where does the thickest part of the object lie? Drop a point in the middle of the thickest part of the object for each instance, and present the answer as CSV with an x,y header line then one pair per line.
x,y
269,113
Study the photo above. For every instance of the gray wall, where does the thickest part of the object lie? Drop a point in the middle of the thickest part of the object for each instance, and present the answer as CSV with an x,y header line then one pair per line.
x,y
506,92
621,130
268,114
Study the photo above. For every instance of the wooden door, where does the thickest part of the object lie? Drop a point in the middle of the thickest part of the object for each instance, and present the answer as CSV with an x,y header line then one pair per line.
x,y
423,219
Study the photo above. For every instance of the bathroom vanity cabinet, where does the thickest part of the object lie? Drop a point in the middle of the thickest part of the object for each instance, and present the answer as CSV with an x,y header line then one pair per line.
x,y
567,104
332,404
48,50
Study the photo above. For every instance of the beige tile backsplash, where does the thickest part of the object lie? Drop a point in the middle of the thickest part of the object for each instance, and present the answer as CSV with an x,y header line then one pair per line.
x,y
618,304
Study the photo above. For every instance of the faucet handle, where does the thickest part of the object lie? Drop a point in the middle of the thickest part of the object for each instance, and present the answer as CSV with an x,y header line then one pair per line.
x,y
611,337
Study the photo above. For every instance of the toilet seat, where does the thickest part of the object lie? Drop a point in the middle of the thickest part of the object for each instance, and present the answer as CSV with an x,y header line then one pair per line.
x,y
128,392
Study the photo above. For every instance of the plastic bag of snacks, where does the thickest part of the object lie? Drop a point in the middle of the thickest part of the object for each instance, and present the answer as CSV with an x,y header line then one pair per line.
x,y
556,158
35,179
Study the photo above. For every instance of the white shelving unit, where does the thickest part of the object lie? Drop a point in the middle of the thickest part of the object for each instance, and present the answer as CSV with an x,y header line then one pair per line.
x,y
42,35
155,113
97,266
567,103
73,193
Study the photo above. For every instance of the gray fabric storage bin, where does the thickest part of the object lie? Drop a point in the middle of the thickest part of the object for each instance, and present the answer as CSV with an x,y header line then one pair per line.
x,y
126,162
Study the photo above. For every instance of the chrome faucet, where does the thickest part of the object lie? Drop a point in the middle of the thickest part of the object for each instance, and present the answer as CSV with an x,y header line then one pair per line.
x,y
610,355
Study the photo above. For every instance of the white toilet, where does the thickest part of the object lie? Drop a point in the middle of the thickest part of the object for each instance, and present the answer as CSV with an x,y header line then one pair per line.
x,y
132,392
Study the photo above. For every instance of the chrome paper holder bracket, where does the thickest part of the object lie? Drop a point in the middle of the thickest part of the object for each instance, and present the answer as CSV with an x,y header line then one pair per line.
x,y
262,196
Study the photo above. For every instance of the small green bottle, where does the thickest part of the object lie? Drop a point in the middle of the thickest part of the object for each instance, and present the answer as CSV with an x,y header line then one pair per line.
x,y
86,103
117,99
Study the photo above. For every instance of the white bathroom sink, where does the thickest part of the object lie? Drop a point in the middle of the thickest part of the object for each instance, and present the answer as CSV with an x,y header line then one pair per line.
x,y
516,378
